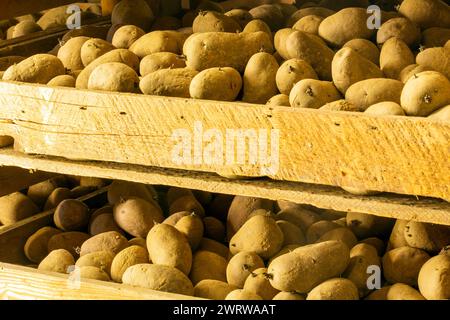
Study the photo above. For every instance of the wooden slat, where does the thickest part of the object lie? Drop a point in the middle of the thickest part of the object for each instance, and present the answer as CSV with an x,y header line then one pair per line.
x,y
387,205
14,179
17,282
403,155
15,8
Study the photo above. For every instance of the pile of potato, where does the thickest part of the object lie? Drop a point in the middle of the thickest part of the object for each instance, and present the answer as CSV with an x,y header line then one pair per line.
x,y
217,246
315,54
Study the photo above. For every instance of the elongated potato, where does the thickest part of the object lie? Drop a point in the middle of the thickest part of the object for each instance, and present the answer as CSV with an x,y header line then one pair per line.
x,y
241,266
39,68
280,42
401,28
160,60
126,35
57,261
126,258
70,53
426,13
437,59
385,109
208,265
434,278
211,21
291,72
94,48
395,55
135,12
99,259
216,49
15,207
306,267
424,93
312,93
107,241
213,289
36,247
158,41
365,48
222,84
168,82
334,289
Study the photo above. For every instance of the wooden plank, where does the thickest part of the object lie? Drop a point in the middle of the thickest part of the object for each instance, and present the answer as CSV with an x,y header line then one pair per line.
x,y
326,197
15,8
17,282
13,179
404,155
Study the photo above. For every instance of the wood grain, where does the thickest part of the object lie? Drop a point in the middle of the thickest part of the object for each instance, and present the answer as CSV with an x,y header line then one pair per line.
x,y
403,155
15,8
326,197
14,179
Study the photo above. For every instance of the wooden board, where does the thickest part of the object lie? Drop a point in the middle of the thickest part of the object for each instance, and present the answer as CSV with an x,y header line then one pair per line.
x,y
403,155
15,8
22,283
14,179
326,197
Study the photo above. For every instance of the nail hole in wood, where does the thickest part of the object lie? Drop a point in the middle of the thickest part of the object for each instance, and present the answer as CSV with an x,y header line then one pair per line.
x,y
83,108
123,113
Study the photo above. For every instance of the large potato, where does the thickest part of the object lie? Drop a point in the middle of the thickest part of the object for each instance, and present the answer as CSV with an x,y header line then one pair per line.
x,y
426,13
36,247
344,235
70,53
211,21
99,259
291,72
39,68
334,289
15,207
168,246
401,28
306,267
135,12
158,277
158,41
106,241
126,258
395,55
222,84
365,48
213,289
160,60
437,59
426,236
168,82
94,48
312,93
208,265
114,76
434,278
241,266
216,49
57,261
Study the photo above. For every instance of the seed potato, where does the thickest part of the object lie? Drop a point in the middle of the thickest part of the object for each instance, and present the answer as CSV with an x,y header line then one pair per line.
x,y
106,241
208,265
57,261
94,48
39,68
99,259
312,93
222,84
213,289
126,258
334,289
258,283
36,246
126,35
434,278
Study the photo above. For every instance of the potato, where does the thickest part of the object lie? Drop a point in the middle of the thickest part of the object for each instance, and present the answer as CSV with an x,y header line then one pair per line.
x,y
213,289
241,16
279,100
367,225
401,291
175,217
36,246
94,273
158,277
426,13
70,53
312,49
94,48
70,241
259,234
168,82
168,246
39,68
435,37
345,25
403,265
394,57
411,70
240,294
292,234
309,24
291,72
90,31
160,60
100,259
318,229
214,228
119,190
192,227
62,81
118,55
214,247
434,278
257,25
437,59
442,114
57,261
208,265
222,84
340,105
258,283
56,197
25,27
211,21
135,12
158,41
103,223
379,294
334,289
299,215
306,267
15,207
312,93
400,28
362,256
71,215
397,237
344,235
424,93
56,17
6,62
280,42
126,35
385,109
259,83
114,76
315,10
217,49
282,295
365,48
426,236
166,23
106,241
126,258
377,243
241,266
187,203
270,14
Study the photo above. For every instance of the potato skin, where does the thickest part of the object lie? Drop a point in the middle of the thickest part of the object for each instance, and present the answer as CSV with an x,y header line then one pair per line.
x,y
70,241
168,246
241,294
312,93
395,55
279,100
222,84
309,24
334,289
257,25
119,190
342,105
240,266
385,108
330,260
168,82
291,72
434,278
424,93
442,114
94,273
280,42
39,68
270,14
319,228
426,13
160,60
282,295
291,233
106,241
99,259
94,48
411,70
365,48
71,215
15,207
113,76
366,225
401,28
70,53
57,261
303,12
429,237
135,12
36,246
158,277
192,227
126,258
214,247
215,49
56,197
25,27
437,59
6,62
64,80
208,265
258,283
340,234
214,228
158,41
211,21
126,35
213,289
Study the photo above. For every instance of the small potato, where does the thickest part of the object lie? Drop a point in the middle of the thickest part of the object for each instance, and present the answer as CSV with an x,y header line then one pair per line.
x,y
241,16
214,228
366,225
158,277
312,93
258,283
15,207
126,35
403,265
114,76
213,289
71,215
240,294
94,48
106,241
436,59
214,247
56,197
168,82
135,12
57,261
291,72
279,100
385,109
94,273
126,258
309,24
434,278
241,266
365,48
119,190
259,234
137,216
291,233
25,27
70,53
424,93
222,84
103,223
340,234
36,247
395,55
257,25
334,289
62,81
192,227
70,241
174,193
158,41
211,21
318,229
100,259
270,14
208,265
342,105
442,114
288,296
426,236
39,68
168,246
161,60
400,28
280,42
